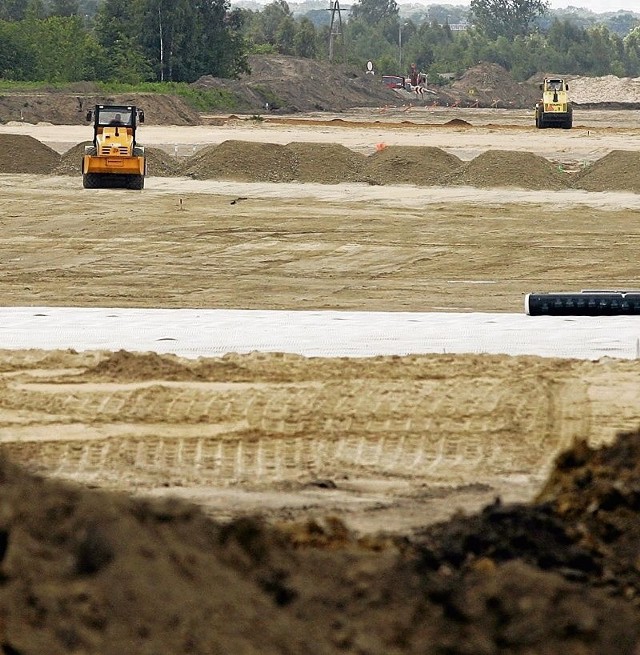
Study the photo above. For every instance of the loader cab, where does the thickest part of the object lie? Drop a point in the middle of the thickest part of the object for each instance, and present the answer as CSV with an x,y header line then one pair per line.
x,y
119,117
554,85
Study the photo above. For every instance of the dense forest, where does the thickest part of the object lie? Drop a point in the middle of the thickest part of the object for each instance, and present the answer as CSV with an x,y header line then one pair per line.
x,y
137,41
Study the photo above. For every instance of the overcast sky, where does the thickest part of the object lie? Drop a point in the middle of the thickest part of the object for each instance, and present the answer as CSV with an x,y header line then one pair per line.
x,y
599,6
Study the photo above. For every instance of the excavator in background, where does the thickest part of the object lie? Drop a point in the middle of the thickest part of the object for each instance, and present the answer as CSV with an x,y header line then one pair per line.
x,y
554,109
114,160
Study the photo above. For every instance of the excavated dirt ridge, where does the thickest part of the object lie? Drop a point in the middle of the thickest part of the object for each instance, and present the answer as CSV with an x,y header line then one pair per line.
x,y
20,153
323,163
619,170
496,168
89,571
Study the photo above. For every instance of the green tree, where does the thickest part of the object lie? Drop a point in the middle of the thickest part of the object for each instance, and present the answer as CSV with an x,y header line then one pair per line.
x,y
17,59
64,8
508,18
285,35
632,52
375,12
305,41
267,24
36,9
118,28
62,49
221,45
13,9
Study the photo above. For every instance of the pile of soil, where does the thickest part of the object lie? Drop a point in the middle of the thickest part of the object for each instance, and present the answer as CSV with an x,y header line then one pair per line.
x,y
606,90
244,161
506,168
616,171
89,571
70,107
420,165
20,153
71,160
326,163
284,84
159,162
491,85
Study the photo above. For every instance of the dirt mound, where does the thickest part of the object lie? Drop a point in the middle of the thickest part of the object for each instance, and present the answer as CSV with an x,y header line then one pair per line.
x,y
159,162
491,85
123,365
596,491
420,165
71,160
616,171
20,153
583,525
69,108
326,163
319,163
243,161
607,89
89,571
457,122
506,168
280,83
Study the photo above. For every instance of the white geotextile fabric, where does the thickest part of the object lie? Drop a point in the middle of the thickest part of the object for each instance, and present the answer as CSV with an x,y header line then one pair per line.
x,y
196,333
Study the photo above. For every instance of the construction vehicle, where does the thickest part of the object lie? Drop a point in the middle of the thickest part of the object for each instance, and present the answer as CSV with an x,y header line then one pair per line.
x,y
114,159
554,108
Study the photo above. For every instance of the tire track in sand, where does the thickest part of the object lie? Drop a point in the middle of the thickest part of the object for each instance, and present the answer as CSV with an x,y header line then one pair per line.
x,y
462,429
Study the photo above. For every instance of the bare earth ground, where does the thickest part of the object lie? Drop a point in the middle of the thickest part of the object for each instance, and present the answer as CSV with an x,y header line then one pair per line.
x,y
385,445
400,453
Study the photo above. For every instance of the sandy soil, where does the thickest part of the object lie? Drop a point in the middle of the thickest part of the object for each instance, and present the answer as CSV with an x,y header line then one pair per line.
x,y
595,132
389,444
351,466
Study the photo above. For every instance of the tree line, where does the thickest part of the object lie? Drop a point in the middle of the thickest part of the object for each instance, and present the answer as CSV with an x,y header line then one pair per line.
x,y
134,41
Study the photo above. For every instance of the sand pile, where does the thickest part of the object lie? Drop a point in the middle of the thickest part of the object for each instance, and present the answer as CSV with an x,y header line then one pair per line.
x,y
88,571
420,165
608,88
159,162
23,154
326,163
71,160
243,161
619,170
506,168
492,85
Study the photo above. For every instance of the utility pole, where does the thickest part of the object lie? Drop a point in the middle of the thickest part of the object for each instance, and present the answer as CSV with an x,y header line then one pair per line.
x,y
335,29
161,46
400,26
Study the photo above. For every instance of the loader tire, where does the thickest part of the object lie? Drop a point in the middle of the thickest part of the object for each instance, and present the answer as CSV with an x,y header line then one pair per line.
x,y
92,181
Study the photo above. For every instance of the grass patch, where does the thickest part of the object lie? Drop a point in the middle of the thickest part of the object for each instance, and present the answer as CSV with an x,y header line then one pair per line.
x,y
13,85
269,96
200,99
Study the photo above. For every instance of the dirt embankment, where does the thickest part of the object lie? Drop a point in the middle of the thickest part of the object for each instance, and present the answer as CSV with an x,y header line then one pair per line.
x,y
70,108
282,84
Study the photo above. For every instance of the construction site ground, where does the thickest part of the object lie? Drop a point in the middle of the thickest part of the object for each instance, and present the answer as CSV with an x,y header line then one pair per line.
x,y
385,209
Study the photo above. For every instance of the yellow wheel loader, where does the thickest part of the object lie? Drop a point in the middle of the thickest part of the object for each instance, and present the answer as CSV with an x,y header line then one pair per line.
x,y
555,108
114,160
